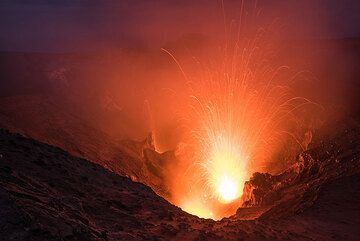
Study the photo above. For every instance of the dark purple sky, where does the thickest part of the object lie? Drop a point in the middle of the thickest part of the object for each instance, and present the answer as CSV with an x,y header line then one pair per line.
x,y
68,25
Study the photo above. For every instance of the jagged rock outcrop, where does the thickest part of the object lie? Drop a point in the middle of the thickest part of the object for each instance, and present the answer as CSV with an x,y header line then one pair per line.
x,y
298,187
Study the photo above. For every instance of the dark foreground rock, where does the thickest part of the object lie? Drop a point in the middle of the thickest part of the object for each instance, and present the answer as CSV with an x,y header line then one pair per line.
x,y
47,194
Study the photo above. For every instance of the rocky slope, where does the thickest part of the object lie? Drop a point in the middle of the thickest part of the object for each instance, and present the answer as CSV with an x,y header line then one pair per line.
x,y
47,194
41,118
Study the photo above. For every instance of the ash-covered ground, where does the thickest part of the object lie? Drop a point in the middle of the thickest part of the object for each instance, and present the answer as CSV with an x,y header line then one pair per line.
x,y
47,194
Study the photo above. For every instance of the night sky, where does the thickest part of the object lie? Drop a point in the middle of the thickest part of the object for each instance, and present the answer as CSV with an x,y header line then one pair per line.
x,y
68,25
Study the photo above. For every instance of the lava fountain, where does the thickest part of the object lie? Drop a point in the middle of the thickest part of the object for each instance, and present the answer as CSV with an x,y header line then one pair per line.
x,y
235,115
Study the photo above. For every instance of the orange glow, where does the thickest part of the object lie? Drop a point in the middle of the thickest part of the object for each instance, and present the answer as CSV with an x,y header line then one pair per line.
x,y
225,169
198,207
235,116
228,188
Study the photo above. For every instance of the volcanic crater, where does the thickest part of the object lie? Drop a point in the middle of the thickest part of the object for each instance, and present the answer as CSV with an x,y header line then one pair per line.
x,y
48,194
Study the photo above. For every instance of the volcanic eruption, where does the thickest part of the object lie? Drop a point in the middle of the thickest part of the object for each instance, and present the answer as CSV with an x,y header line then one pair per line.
x,y
239,107
178,120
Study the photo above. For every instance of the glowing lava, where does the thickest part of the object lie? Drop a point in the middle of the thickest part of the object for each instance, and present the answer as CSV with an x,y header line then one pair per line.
x,y
228,189
225,168
238,111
